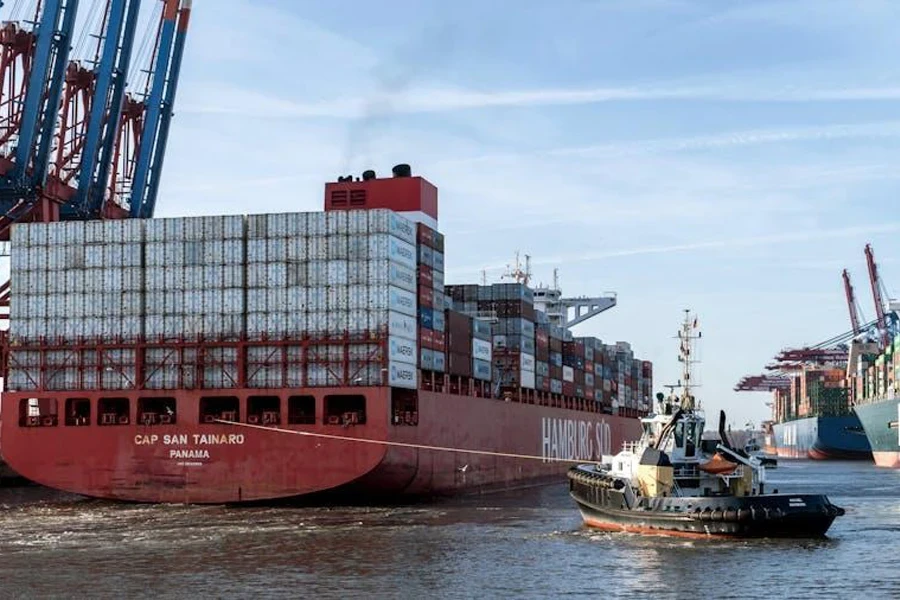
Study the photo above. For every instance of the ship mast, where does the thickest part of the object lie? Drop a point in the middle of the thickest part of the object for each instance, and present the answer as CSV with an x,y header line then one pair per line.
x,y
685,356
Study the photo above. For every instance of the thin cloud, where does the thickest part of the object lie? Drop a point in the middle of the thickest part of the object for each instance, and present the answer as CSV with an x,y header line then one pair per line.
x,y
785,238
444,99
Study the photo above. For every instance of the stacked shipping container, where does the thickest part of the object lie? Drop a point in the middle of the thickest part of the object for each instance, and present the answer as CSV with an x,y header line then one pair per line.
x,y
279,276
531,353
299,286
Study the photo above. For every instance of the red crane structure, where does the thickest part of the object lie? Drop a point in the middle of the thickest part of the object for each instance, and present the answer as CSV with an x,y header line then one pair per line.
x,y
763,383
851,303
876,295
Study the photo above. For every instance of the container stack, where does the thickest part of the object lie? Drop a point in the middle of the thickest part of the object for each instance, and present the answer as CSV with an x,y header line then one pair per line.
x,y
459,344
326,276
542,353
430,290
482,353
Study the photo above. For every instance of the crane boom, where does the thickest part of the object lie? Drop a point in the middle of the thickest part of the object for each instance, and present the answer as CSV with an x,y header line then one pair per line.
x,y
876,294
106,107
51,58
851,303
156,108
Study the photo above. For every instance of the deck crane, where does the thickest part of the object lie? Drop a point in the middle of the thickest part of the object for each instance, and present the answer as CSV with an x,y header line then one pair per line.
x,y
851,303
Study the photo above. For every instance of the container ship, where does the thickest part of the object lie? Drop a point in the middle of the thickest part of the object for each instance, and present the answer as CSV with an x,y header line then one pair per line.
x,y
873,377
226,359
812,417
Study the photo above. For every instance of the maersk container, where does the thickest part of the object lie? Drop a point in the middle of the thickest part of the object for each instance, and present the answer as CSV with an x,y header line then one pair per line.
x,y
402,350
437,261
387,221
388,247
401,325
437,278
402,375
481,369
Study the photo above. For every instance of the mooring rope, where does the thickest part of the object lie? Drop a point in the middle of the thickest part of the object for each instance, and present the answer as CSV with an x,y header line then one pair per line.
x,y
348,438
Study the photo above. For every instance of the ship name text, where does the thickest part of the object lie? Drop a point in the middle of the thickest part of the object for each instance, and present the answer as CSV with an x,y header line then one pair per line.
x,y
572,439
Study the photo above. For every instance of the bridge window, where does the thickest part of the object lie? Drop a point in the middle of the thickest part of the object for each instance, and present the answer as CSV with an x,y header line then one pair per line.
x,y
345,410
78,412
214,408
301,410
37,412
156,411
264,410
404,407
113,411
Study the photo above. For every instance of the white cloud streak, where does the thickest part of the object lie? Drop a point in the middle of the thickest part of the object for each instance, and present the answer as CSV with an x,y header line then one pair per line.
x,y
747,242
446,99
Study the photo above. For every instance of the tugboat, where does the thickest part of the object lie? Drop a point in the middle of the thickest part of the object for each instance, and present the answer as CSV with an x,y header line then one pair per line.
x,y
668,483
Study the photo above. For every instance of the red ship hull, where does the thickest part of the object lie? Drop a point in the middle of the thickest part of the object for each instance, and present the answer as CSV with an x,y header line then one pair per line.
x,y
200,462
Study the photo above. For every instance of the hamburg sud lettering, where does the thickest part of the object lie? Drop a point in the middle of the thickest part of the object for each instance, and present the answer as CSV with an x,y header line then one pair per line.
x,y
573,439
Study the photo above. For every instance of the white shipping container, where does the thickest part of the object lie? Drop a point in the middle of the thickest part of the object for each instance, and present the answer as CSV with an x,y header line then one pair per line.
x,y
357,222
337,272
358,297
527,362
568,374
402,375
336,222
402,350
437,261
297,248
337,247
276,249
315,224
337,321
401,325
527,380
358,247
317,247
481,350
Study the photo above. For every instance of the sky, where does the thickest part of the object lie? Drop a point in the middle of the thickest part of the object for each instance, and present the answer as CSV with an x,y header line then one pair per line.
x,y
725,157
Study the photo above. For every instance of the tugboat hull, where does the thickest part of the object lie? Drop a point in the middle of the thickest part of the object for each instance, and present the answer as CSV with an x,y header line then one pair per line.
x,y
604,504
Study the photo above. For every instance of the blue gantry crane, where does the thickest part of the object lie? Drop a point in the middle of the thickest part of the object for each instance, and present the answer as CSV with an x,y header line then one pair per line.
x,y
74,142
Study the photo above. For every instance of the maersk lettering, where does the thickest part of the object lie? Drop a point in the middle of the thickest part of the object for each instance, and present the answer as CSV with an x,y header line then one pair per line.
x,y
570,439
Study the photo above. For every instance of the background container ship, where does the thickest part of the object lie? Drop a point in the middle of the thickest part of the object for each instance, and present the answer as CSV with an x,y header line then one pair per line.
x,y
830,397
177,360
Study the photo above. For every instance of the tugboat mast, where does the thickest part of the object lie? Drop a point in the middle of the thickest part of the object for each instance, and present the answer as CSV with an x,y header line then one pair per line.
x,y
686,352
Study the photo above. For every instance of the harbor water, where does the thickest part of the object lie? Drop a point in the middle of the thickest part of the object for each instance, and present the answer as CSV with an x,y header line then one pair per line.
x,y
526,544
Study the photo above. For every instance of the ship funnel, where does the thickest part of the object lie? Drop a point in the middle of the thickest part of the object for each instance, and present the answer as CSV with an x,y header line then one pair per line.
x,y
402,170
367,175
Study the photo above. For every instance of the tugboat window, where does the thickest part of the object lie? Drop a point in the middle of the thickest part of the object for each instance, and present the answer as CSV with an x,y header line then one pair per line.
x,y
691,439
679,435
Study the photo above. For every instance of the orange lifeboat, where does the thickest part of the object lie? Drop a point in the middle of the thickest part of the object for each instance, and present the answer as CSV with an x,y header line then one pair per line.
x,y
718,465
